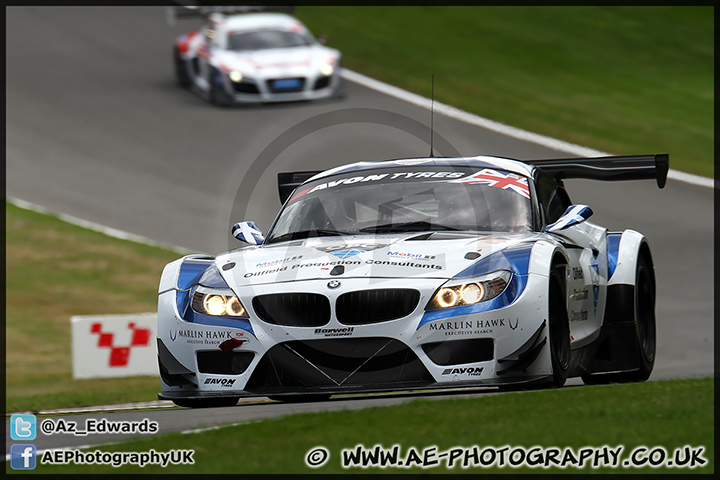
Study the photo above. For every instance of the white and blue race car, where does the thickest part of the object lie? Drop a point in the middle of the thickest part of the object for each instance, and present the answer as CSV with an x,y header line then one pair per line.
x,y
415,274
254,57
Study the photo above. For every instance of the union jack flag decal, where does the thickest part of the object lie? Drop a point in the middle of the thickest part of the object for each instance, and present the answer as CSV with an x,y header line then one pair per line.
x,y
496,179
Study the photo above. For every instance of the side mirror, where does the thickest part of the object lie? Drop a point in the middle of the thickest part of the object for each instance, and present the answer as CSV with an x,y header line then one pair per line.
x,y
574,215
248,232
322,39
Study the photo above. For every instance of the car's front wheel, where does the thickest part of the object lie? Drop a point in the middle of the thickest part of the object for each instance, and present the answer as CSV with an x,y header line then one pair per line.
x,y
559,336
559,329
216,91
339,91
181,69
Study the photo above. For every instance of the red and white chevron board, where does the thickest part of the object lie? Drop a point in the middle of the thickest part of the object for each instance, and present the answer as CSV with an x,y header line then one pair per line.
x,y
105,346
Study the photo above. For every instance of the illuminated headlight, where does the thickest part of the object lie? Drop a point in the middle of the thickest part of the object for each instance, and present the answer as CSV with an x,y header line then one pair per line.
x,y
327,70
236,76
218,303
465,292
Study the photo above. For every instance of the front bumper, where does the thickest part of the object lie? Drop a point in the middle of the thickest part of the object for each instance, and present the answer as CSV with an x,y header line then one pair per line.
x,y
309,86
481,346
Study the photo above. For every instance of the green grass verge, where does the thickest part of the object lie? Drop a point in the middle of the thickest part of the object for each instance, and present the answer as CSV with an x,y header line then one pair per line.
x,y
668,414
620,79
53,271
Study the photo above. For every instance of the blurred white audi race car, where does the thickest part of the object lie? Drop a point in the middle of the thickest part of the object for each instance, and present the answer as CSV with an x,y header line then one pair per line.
x,y
255,57
415,274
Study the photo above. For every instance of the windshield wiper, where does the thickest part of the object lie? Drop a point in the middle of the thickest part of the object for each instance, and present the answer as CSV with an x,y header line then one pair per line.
x,y
307,234
419,226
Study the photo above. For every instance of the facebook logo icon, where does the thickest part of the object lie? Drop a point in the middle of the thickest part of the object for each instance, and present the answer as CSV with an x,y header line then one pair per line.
x,y
22,457
23,427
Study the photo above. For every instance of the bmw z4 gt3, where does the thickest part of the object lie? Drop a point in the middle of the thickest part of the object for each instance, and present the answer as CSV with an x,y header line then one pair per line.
x,y
415,274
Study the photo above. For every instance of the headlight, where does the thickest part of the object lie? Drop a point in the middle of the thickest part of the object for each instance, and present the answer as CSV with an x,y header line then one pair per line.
x,y
218,303
236,76
327,70
463,292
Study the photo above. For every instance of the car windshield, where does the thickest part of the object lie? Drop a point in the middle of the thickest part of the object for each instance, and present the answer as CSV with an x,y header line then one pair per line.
x,y
265,39
391,200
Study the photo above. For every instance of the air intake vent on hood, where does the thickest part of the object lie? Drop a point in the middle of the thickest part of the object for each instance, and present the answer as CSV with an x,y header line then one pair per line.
x,y
374,306
293,309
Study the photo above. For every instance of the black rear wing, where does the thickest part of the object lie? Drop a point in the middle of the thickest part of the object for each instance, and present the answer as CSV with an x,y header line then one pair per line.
x,y
628,167
193,11
289,181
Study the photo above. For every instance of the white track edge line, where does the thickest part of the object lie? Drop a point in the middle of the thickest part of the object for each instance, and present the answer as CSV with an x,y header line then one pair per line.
x,y
109,231
508,130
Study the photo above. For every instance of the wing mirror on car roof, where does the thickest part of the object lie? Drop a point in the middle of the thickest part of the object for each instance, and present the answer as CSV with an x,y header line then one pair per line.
x,y
248,232
574,215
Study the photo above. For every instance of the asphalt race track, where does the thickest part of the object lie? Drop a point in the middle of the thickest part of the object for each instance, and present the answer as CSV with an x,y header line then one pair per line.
x,y
97,128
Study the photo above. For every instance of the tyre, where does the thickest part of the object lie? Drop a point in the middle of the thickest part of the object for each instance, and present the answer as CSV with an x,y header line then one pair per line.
x,y
339,92
559,329
206,402
315,397
559,333
644,331
216,92
645,328
181,69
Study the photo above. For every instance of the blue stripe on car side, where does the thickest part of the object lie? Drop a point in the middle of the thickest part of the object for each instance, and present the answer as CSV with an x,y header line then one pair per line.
x,y
515,258
182,297
519,258
190,271
613,246
511,293
193,271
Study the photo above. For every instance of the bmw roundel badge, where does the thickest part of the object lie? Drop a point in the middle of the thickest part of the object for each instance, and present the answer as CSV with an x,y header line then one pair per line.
x,y
333,284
